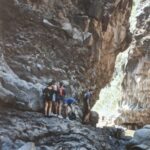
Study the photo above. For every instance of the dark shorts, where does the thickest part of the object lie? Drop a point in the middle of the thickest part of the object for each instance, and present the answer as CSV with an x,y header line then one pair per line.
x,y
60,98
47,98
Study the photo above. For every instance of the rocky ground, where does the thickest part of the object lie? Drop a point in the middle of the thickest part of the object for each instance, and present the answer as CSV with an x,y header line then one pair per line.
x,y
17,128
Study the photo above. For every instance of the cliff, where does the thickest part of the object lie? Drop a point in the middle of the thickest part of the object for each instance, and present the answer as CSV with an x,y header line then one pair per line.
x,y
71,41
135,103
74,41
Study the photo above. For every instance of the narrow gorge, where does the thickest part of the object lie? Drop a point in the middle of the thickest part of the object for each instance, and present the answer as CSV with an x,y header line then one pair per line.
x,y
129,88
76,42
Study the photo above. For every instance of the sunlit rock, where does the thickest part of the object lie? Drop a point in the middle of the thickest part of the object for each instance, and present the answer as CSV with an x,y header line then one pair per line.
x,y
135,104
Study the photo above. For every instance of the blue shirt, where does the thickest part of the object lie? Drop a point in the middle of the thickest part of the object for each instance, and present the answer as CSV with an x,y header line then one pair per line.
x,y
69,100
88,95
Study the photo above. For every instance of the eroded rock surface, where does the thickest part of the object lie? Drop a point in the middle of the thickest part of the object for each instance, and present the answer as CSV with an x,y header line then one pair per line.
x,y
21,129
72,41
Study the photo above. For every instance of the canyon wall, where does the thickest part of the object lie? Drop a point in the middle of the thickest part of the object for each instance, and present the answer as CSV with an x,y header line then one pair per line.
x,y
74,41
135,103
71,41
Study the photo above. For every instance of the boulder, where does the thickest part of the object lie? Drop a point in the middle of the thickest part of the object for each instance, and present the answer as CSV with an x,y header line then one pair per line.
x,y
141,139
13,90
94,117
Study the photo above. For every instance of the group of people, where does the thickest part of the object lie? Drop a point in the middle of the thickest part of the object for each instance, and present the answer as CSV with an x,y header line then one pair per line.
x,y
55,99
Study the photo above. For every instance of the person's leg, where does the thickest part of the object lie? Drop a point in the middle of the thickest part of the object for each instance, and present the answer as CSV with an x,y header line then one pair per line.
x,y
49,107
57,107
87,117
83,116
85,112
71,108
66,110
54,103
46,108
57,104
60,108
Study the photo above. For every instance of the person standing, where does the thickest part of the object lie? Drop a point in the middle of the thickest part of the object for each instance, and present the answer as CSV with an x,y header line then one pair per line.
x,y
47,96
54,96
87,105
60,99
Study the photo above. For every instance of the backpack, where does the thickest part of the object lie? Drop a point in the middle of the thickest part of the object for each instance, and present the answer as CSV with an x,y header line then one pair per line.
x,y
46,93
72,116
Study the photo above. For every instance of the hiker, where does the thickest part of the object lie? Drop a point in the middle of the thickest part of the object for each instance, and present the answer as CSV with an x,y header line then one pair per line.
x,y
68,105
47,96
60,99
86,105
54,96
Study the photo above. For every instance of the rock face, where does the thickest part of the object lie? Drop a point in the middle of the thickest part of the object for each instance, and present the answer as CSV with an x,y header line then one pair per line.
x,y
72,41
135,103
